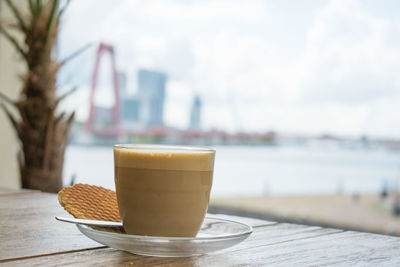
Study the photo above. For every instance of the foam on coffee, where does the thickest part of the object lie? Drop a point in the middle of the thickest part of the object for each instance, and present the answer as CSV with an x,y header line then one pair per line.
x,y
164,158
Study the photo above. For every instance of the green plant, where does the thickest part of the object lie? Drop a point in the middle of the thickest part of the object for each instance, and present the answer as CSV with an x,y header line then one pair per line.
x,y
43,131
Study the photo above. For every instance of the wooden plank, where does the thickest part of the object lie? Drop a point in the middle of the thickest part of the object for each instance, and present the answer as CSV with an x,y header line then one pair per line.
x,y
28,227
333,249
30,236
9,191
343,249
337,249
323,247
262,237
250,221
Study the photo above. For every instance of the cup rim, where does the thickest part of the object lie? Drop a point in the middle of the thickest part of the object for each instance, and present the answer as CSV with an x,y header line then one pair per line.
x,y
166,147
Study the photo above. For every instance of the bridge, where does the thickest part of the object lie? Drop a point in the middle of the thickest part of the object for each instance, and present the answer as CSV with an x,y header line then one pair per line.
x,y
114,129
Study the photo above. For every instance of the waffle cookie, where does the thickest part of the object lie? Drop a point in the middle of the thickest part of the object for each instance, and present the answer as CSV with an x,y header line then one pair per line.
x,y
85,201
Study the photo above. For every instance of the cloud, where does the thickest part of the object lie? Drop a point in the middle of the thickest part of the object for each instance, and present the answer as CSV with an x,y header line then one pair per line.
x,y
350,58
222,11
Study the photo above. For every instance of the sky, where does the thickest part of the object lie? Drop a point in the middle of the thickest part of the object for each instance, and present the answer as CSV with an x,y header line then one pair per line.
x,y
306,67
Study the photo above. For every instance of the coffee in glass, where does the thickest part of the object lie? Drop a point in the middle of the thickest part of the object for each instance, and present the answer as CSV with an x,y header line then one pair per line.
x,y
163,190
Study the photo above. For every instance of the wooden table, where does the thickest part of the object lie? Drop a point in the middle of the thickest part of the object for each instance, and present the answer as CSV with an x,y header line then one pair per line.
x,y
29,235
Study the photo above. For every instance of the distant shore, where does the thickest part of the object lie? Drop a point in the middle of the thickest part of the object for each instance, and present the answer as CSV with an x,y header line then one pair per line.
x,y
368,212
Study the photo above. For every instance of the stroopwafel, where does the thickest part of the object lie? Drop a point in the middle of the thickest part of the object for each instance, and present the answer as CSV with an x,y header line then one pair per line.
x,y
85,201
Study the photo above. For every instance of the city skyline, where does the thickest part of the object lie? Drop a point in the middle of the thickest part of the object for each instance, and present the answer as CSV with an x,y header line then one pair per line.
x,y
310,67
145,108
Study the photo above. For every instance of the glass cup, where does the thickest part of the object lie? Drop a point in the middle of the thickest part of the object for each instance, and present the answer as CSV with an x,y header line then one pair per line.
x,y
163,190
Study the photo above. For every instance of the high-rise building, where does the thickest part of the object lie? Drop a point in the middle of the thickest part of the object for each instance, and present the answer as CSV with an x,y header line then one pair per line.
x,y
122,84
130,112
129,104
195,113
151,96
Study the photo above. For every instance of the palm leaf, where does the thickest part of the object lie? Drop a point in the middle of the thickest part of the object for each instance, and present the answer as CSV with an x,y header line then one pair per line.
x,y
10,117
35,8
76,53
52,16
7,99
63,8
72,90
17,15
39,5
13,41
52,22
32,8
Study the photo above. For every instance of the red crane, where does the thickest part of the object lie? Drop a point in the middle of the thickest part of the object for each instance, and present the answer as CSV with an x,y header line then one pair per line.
x,y
114,129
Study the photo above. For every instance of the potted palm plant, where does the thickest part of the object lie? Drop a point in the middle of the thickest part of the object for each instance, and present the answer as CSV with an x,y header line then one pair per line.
x,y
43,132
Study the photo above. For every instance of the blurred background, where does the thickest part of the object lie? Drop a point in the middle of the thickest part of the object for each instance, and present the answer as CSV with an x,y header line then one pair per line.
x,y
300,98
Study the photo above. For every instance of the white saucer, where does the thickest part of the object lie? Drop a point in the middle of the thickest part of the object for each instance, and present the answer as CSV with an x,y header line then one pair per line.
x,y
215,234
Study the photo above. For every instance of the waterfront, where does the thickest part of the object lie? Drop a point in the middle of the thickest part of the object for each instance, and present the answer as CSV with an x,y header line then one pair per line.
x,y
266,170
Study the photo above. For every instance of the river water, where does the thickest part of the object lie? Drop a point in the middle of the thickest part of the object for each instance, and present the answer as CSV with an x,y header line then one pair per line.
x,y
264,170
